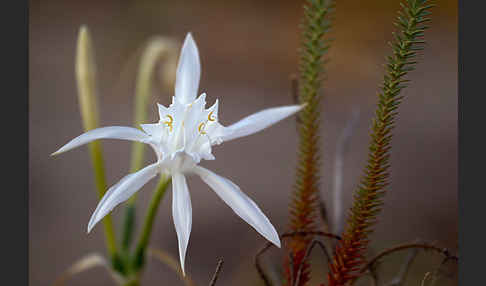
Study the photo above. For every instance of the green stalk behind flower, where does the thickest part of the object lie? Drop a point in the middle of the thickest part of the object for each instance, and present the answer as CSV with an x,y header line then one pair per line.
x,y
85,69
157,48
141,248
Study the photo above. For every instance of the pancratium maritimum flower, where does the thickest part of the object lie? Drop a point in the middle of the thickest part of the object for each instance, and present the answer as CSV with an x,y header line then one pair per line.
x,y
183,136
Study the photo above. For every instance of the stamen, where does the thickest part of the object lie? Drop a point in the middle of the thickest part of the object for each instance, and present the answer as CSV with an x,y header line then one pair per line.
x,y
211,118
200,128
169,123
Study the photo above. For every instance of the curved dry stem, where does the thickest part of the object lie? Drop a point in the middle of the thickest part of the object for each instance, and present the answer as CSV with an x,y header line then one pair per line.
x,y
216,272
426,276
434,276
307,254
171,262
85,263
291,263
425,246
259,268
399,279
268,245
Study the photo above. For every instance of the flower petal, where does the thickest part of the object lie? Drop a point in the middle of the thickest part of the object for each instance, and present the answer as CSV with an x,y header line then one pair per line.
x,y
152,129
241,204
188,72
112,132
181,213
162,111
259,121
121,192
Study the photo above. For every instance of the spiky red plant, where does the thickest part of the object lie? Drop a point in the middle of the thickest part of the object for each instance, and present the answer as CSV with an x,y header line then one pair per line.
x,y
350,252
303,207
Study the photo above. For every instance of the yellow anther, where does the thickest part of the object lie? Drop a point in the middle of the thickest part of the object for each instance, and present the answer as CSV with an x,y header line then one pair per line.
x,y
211,118
169,123
200,128
171,119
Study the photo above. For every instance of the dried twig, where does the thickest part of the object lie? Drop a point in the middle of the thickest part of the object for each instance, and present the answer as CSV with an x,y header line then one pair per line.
x,y
443,251
402,274
307,254
435,274
374,277
427,275
268,245
317,233
216,272
291,263
171,262
85,263
259,268
371,273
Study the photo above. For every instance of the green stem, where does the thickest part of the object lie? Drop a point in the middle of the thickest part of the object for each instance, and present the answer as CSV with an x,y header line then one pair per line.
x,y
158,48
99,171
139,257
129,220
141,98
128,226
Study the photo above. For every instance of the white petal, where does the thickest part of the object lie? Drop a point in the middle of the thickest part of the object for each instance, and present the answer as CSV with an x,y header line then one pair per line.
x,y
121,192
259,121
162,111
181,213
152,129
188,72
241,204
194,116
112,132
213,110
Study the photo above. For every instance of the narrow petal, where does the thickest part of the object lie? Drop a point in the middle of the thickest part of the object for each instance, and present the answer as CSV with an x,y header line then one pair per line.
x,y
241,204
259,121
188,72
121,192
213,111
162,111
112,132
151,129
181,213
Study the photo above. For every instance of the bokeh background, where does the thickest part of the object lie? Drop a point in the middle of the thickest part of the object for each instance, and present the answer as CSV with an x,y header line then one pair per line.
x,y
248,51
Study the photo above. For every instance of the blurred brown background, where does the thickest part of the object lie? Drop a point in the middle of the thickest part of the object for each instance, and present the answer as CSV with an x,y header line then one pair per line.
x,y
248,51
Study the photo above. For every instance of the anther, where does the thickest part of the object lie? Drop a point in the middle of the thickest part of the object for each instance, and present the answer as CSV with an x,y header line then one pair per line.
x,y
211,118
200,128
169,123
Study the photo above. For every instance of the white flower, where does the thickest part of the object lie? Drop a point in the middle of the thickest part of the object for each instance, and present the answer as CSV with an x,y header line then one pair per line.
x,y
183,136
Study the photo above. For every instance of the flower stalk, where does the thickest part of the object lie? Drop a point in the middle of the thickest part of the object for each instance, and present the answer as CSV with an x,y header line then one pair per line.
x,y
141,249
85,69
158,48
